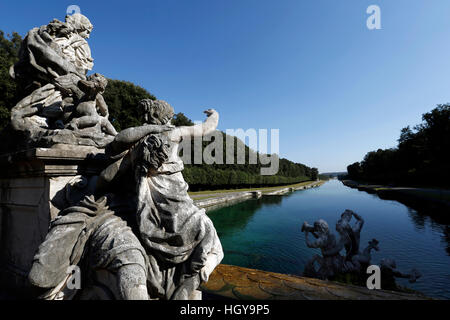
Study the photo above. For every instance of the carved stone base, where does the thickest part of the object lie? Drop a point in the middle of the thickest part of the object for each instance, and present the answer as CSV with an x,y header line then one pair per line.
x,y
32,193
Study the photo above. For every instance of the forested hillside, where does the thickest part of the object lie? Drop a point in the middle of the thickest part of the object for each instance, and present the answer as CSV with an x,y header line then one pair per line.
x,y
9,50
122,98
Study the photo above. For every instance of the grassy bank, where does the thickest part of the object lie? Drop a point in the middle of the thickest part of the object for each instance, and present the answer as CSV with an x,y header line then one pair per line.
x,y
201,195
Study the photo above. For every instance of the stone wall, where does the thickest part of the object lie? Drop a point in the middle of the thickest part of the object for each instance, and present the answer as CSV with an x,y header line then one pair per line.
x,y
32,193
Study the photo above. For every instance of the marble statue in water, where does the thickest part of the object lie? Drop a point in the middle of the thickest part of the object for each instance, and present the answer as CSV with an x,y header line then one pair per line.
x,y
331,264
133,230
62,105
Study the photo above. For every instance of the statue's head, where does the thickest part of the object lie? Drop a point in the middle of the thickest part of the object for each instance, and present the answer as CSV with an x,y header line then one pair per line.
x,y
347,215
321,226
374,244
80,24
154,152
100,82
344,222
156,112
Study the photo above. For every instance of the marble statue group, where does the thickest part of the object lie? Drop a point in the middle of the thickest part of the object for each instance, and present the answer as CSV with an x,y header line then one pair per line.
x,y
331,264
133,230
62,104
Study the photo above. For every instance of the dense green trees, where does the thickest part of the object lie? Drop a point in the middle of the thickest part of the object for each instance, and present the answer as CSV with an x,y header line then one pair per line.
x,y
422,156
222,176
123,97
181,120
9,50
206,178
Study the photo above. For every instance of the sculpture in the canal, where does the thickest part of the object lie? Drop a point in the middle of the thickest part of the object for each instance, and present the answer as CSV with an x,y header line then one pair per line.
x,y
328,264
133,230
331,262
60,102
349,235
349,239
331,265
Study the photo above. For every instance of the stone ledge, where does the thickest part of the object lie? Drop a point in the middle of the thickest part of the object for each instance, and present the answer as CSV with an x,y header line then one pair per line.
x,y
60,160
62,152
232,282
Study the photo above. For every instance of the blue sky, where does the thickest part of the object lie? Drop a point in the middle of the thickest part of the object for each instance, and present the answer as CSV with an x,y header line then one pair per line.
x,y
310,68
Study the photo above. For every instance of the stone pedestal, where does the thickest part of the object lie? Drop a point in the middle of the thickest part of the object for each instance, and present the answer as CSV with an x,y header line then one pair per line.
x,y
32,193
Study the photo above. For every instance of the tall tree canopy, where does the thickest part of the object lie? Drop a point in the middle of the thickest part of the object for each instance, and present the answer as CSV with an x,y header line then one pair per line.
x,y
422,156
9,51
122,98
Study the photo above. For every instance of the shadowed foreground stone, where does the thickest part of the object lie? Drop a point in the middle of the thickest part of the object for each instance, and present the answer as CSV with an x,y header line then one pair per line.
x,y
248,284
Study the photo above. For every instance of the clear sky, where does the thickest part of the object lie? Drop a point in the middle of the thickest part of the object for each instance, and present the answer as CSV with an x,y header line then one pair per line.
x,y
310,68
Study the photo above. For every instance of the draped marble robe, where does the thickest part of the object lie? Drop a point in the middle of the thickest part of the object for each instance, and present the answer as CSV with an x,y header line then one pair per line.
x,y
171,240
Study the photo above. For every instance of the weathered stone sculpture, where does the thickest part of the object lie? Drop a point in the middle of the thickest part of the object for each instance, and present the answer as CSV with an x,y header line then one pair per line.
x,y
54,61
349,239
168,248
350,236
331,265
121,212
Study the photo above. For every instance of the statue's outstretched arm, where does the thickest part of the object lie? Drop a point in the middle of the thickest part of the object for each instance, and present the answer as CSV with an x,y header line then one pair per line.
x,y
399,274
199,130
359,222
128,137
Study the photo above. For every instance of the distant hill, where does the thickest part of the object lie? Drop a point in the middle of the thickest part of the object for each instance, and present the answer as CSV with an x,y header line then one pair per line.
x,y
227,176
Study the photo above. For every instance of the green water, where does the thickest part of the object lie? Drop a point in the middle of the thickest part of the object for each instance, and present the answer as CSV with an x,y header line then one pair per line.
x,y
265,234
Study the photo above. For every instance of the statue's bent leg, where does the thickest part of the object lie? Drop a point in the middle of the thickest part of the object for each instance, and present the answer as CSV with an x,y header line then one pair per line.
x,y
85,122
310,267
187,289
116,248
132,279
108,127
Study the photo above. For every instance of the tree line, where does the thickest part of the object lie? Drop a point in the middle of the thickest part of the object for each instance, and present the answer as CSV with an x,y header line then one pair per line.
x,y
122,98
422,157
219,176
9,91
